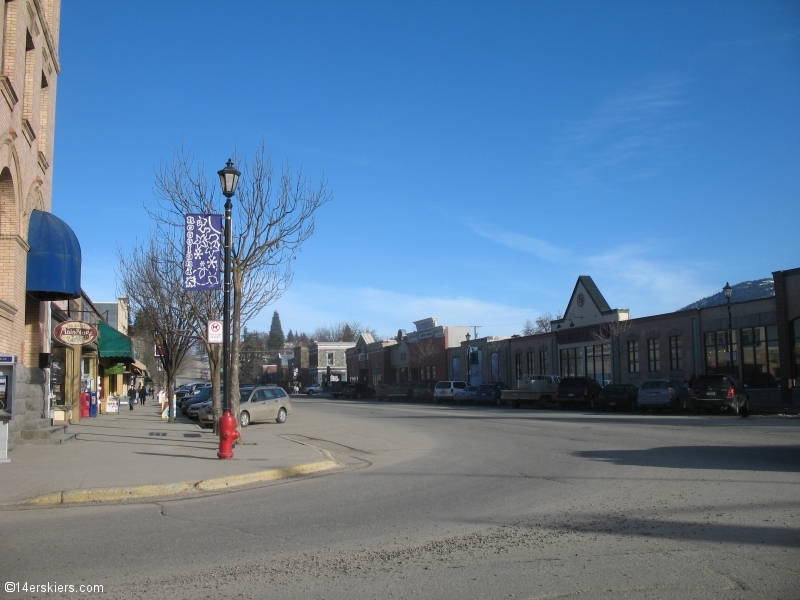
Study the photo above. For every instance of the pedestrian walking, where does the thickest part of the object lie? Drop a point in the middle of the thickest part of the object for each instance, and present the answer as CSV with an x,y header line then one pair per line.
x,y
131,396
142,395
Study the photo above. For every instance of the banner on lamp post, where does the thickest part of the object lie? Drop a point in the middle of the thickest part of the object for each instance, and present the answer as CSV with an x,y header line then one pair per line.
x,y
202,252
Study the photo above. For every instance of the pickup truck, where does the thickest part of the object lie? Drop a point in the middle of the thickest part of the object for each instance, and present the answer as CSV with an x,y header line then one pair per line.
x,y
532,389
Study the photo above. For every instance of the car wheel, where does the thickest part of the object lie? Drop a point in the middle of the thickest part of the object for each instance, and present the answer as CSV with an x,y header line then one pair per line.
x,y
592,404
643,410
244,418
499,402
746,408
735,407
358,396
281,418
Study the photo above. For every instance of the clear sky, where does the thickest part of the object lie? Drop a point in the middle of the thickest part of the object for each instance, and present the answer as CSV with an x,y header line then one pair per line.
x,y
481,155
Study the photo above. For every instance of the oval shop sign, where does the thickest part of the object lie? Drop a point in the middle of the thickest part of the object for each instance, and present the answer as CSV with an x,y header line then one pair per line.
x,y
75,333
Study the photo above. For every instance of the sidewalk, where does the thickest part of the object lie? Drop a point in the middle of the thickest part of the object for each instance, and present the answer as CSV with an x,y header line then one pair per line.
x,y
137,455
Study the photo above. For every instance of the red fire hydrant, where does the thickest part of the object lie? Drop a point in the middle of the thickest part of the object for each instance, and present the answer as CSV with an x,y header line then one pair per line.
x,y
227,435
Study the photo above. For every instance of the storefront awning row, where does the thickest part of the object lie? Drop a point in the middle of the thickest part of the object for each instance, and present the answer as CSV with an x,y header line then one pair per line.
x,y
113,344
54,259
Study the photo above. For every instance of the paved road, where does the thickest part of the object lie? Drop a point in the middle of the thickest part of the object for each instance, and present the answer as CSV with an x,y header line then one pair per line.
x,y
459,502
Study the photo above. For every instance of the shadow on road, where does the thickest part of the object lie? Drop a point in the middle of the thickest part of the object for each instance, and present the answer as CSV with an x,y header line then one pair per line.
x,y
783,458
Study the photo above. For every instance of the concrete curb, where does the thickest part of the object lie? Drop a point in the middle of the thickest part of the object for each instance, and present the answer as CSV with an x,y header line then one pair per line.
x,y
151,492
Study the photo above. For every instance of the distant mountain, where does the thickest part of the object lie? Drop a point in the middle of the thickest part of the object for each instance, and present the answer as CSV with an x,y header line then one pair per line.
x,y
747,290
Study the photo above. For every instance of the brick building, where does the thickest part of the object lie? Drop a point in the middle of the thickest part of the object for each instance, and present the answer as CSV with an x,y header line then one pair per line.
x,y
30,236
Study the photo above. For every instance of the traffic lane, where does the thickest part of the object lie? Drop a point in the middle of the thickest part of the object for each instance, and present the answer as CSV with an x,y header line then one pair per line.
x,y
486,471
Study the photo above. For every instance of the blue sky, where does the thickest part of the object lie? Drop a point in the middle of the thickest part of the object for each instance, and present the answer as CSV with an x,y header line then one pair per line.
x,y
481,155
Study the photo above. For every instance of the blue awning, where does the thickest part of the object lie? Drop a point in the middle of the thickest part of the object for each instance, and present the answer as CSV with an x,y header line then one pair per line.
x,y
54,260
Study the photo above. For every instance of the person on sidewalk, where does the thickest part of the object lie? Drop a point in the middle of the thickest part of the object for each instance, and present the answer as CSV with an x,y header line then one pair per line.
x,y
142,395
131,396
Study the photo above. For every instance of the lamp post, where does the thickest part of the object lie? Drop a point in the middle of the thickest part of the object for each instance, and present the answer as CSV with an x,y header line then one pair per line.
x,y
728,291
229,178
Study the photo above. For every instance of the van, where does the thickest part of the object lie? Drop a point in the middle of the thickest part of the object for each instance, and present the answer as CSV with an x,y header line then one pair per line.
x,y
446,390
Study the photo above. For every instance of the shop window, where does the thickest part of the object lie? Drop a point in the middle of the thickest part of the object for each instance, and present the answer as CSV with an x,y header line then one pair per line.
x,y
598,363
716,349
633,356
796,352
529,360
571,360
653,355
675,353
542,362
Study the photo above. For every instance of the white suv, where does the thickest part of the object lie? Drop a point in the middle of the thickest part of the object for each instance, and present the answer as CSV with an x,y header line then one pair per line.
x,y
447,389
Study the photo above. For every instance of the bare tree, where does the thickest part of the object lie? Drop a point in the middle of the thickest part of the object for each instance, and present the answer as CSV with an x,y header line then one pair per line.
x,y
529,328
343,331
540,325
150,277
271,220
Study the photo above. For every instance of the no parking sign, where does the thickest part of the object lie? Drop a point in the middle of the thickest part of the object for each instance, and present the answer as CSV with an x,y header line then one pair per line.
x,y
215,332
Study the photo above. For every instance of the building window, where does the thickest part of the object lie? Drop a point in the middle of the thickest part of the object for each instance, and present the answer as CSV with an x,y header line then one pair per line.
x,y
456,367
716,346
543,362
330,358
796,353
760,356
571,360
529,359
653,355
518,365
675,353
633,356
598,363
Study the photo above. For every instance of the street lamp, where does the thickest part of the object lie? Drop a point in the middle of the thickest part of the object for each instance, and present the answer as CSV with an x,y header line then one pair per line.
x,y
228,178
728,291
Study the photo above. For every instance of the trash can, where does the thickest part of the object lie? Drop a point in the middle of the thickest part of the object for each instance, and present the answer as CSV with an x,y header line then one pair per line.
x,y
94,406
86,399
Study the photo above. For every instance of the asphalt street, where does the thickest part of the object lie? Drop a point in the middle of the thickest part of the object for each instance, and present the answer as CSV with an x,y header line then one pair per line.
x,y
445,501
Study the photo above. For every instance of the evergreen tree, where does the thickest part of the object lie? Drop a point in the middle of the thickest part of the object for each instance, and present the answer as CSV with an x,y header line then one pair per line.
x,y
347,334
290,336
276,337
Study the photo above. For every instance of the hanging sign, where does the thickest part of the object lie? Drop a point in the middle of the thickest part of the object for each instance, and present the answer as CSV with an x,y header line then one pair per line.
x,y
202,252
75,333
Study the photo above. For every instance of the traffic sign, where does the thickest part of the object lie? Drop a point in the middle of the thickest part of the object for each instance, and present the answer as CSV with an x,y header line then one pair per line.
x,y
215,332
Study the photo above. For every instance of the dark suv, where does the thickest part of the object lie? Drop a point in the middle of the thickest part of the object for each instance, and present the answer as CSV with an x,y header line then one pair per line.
x,y
491,393
578,390
719,391
336,388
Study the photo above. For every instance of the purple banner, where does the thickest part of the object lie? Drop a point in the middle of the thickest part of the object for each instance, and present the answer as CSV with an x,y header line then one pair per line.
x,y
202,253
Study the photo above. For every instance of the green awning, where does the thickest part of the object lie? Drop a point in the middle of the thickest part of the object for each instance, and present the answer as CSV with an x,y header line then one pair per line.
x,y
113,344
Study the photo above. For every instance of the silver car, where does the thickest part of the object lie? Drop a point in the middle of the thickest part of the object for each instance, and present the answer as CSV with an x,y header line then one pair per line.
x,y
663,393
262,403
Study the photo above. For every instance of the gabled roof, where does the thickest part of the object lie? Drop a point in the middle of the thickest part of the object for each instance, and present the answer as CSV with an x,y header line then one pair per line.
x,y
593,291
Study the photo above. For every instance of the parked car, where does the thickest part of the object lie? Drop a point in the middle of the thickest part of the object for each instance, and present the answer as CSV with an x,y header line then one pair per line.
x,y
446,390
618,395
422,390
193,412
382,391
262,403
181,398
358,391
314,388
578,390
336,388
400,391
187,389
465,395
719,391
201,395
490,393
663,393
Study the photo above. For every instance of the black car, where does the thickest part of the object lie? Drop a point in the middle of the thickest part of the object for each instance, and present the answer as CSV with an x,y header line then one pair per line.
x,y
336,388
578,390
201,395
490,393
618,395
719,391
358,391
